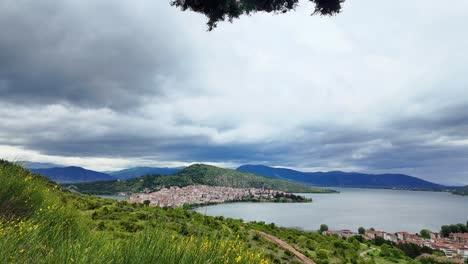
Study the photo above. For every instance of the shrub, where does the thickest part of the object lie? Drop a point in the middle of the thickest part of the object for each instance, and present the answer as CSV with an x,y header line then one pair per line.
x,y
322,254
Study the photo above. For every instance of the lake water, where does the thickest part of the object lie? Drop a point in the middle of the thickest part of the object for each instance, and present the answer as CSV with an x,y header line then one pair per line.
x,y
115,197
388,210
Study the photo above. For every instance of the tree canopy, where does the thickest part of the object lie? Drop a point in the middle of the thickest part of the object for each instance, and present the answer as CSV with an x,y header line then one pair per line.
x,y
221,10
323,228
362,230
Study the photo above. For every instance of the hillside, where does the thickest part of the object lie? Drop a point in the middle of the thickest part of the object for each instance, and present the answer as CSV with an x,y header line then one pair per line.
x,y
344,179
42,223
142,171
193,175
73,174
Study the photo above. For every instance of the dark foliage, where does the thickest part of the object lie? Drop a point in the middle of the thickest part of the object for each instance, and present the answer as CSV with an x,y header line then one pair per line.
x,y
221,10
458,228
412,250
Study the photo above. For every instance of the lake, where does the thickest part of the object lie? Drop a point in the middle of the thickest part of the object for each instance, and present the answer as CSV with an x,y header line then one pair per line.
x,y
388,210
115,197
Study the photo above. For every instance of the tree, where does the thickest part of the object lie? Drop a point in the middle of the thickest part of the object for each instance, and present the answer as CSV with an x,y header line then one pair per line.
x,y
425,234
323,228
146,202
221,10
361,230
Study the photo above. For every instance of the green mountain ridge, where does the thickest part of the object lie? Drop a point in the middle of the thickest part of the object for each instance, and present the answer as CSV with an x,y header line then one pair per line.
x,y
198,174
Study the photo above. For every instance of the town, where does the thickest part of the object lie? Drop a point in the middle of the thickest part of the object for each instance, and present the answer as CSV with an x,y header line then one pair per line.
x,y
204,194
455,246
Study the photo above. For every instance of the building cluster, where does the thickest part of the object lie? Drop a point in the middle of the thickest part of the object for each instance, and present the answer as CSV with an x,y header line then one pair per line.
x,y
454,246
201,194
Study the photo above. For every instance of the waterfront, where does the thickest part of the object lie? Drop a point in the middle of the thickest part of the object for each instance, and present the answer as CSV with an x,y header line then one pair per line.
x,y
389,210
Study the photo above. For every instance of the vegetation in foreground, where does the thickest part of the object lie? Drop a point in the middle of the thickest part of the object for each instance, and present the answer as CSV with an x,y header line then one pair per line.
x,y
198,174
41,223
38,224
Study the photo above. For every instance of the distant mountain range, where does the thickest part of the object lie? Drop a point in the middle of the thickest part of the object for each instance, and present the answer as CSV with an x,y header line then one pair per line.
x,y
344,179
192,175
73,174
141,171
38,165
324,179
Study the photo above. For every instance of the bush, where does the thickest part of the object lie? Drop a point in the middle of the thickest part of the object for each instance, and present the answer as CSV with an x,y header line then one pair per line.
x,y
322,254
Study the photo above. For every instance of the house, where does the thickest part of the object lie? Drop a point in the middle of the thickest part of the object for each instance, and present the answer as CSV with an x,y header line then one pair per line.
x,y
346,233
435,235
390,237
401,235
463,252
459,237
449,251
328,233
373,234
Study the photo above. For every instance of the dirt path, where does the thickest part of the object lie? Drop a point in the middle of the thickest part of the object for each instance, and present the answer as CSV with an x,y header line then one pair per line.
x,y
367,251
285,246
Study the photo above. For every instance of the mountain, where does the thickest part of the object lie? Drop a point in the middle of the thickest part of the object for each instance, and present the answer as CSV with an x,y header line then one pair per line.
x,y
38,165
72,174
192,175
142,171
344,179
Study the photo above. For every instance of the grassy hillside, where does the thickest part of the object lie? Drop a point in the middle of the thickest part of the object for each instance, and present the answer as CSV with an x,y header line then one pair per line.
x,y
195,174
42,223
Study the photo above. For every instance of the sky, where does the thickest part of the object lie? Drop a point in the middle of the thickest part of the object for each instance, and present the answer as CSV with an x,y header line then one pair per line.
x,y
110,84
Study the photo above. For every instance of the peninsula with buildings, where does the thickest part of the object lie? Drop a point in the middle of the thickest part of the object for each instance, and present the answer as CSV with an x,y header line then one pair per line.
x,y
204,194
454,245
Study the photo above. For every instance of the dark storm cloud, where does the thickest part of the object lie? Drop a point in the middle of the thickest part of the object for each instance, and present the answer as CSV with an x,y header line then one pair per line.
x,y
96,54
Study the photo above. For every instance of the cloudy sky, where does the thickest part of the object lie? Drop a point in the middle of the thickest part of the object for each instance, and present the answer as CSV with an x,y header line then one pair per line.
x,y
108,84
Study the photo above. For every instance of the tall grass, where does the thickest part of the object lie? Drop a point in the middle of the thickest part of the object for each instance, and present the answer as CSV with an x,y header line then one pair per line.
x,y
35,227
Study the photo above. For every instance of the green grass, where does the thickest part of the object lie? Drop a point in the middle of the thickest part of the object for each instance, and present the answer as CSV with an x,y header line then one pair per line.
x,y
193,175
